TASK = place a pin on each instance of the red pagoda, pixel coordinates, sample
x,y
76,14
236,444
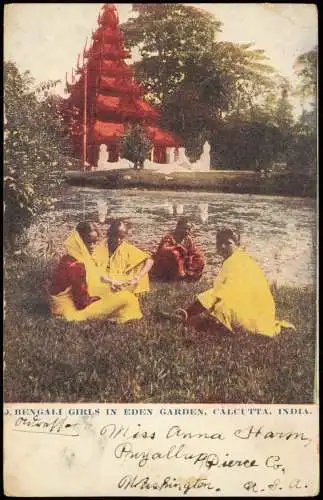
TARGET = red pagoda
x,y
105,99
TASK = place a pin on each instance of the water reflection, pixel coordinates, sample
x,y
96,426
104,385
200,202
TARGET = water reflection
x,y
102,207
280,232
169,208
179,209
204,212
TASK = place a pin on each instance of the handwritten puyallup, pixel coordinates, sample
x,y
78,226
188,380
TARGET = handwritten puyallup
x,y
60,426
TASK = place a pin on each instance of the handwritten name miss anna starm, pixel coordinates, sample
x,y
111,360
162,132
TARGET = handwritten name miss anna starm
x,y
113,431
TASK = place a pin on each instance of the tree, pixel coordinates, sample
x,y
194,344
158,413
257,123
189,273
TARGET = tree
x,y
303,153
284,109
198,81
177,44
34,149
246,77
228,84
306,69
246,145
169,37
191,118
136,146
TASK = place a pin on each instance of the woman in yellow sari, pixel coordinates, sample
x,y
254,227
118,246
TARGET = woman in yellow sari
x,y
124,265
77,292
240,299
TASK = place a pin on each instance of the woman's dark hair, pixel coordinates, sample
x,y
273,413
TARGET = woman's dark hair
x,y
86,227
182,222
226,233
114,226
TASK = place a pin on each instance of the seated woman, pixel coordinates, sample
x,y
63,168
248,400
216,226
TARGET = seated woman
x,y
177,256
240,300
76,280
125,266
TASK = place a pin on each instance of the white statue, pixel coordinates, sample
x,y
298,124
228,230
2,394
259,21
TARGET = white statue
x,y
103,156
170,155
205,160
182,158
206,148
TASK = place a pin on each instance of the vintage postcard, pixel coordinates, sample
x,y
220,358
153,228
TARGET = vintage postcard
x,y
160,250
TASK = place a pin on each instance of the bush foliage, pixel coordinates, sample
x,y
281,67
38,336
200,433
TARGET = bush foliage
x,y
136,146
35,149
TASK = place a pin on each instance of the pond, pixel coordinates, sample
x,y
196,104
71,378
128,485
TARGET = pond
x,y
280,232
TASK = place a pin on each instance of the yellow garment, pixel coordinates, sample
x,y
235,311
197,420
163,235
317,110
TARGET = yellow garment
x,y
75,247
246,303
121,306
124,264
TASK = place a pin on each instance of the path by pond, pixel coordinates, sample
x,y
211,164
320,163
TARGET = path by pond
x,y
280,232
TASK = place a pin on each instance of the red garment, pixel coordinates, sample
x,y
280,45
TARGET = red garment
x,y
70,272
177,260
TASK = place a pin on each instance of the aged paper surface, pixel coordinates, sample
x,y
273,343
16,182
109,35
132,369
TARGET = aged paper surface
x,y
149,449
171,450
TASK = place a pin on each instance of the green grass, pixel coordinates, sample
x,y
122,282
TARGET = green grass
x,y
151,361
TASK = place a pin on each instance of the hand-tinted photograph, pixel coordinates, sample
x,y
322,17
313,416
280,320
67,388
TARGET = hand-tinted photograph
x,y
160,207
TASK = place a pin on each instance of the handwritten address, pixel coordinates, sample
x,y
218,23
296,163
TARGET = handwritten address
x,y
259,455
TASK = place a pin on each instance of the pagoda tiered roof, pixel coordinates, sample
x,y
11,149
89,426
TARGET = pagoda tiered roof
x,y
105,132
108,50
114,99
126,107
120,85
162,137
115,68
107,34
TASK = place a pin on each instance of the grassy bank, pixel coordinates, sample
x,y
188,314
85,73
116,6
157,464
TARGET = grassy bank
x,y
247,182
154,360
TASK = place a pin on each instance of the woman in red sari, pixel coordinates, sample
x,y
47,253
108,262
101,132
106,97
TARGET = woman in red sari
x,y
177,256
77,292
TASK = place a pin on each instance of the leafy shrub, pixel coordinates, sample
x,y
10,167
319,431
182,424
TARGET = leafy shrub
x,y
136,146
35,149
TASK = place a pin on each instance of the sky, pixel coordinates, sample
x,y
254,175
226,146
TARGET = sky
x,y
46,38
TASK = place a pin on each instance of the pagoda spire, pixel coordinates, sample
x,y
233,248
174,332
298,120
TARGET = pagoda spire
x,y
78,67
85,50
109,15
66,90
